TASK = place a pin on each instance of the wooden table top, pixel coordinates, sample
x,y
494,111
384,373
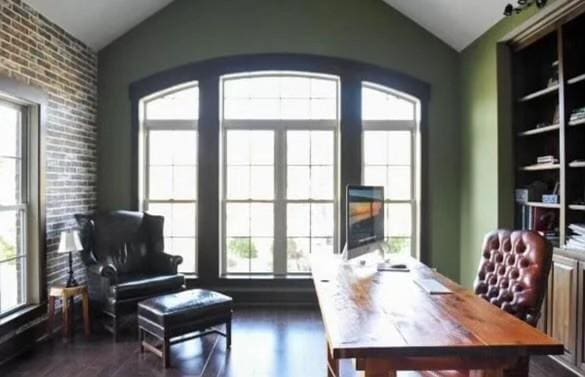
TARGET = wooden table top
x,y
386,314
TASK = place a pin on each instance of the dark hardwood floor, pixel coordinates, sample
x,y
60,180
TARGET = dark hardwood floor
x,y
267,342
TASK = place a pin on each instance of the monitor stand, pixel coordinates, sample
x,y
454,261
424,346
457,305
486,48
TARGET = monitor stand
x,y
364,255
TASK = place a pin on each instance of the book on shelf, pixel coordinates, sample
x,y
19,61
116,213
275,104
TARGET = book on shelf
x,y
578,229
542,220
577,239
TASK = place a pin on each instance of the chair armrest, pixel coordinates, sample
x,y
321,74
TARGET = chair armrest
x,y
166,263
107,271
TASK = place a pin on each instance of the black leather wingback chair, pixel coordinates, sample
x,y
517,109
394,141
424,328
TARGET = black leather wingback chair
x,y
123,253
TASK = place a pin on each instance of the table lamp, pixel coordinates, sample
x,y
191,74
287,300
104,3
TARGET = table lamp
x,y
68,243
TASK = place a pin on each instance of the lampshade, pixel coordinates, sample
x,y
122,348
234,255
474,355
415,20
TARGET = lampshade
x,y
69,241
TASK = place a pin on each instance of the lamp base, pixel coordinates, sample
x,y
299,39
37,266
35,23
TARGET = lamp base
x,y
71,282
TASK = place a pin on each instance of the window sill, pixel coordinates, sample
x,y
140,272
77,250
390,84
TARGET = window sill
x,y
20,317
265,277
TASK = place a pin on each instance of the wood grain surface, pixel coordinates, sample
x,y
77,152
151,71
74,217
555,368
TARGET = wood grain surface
x,y
371,314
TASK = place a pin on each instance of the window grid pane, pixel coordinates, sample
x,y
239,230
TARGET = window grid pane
x,y
387,162
171,172
250,165
302,163
280,97
12,275
13,258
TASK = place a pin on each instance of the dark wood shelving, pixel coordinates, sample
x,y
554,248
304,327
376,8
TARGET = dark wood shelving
x,y
578,164
575,123
576,79
539,167
540,130
528,65
540,93
542,205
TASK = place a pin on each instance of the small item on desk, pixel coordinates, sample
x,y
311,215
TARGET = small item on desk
x,y
398,267
433,287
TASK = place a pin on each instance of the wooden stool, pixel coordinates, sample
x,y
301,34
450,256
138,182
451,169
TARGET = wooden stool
x,y
67,295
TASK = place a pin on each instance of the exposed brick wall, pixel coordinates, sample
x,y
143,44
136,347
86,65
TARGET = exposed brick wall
x,y
37,52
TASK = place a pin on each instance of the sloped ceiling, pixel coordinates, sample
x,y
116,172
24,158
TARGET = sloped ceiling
x,y
99,22
456,22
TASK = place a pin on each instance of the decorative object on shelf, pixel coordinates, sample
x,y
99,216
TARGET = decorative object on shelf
x,y
554,197
533,192
522,4
554,77
69,243
556,117
550,199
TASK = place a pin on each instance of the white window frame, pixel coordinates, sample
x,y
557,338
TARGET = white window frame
x,y
412,126
280,200
23,205
144,153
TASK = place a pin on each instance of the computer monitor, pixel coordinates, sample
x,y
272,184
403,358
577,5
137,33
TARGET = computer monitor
x,y
365,220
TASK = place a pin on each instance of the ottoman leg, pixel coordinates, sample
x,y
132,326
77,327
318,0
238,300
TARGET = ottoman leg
x,y
141,339
166,354
228,333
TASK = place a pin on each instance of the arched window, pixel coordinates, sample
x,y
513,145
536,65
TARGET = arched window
x,y
169,121
279,195
278,137
391,159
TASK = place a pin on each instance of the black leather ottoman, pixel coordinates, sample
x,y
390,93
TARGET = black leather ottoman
x,y
178,317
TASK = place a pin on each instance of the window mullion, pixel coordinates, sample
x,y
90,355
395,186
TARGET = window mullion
x,y
280,173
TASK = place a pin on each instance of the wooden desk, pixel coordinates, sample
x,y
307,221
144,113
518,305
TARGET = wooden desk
x,y
387,323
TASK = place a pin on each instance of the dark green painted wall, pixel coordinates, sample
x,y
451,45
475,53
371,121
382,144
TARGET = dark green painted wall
x,y
364,30
486,160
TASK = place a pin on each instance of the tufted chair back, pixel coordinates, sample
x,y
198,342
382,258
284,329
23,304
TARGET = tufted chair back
x,y
513,272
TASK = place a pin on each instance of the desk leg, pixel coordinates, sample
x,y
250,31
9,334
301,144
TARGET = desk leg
x,y
86,313
332,364
377,368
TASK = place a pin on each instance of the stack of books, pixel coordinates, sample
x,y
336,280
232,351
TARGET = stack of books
x,y
577,115
576,240
547,160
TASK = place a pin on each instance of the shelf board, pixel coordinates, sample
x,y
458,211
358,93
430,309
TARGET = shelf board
x,y
542,205
577,207
541,130
537,167
576,79
540,93
577,122
579,164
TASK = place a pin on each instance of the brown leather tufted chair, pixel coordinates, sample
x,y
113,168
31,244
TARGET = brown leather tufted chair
x,y
513,275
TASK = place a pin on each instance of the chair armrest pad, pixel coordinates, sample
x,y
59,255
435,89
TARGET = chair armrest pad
x,y
166,263
105,270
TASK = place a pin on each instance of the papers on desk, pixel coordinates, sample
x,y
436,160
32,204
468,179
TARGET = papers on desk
x,y
432,286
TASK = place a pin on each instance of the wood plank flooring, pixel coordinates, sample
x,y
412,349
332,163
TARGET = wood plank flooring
x,y
267,342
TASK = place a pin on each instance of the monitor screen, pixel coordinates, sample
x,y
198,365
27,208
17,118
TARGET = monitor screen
x,y
365,214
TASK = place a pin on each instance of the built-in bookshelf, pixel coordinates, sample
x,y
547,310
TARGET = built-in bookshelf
x,y
549,121
542,88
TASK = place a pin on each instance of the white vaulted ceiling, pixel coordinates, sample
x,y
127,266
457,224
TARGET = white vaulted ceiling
x,y
99,22
456,22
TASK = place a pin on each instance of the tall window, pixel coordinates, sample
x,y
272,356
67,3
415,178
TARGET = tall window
x,y
13,207
390,159
169,184
279,171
